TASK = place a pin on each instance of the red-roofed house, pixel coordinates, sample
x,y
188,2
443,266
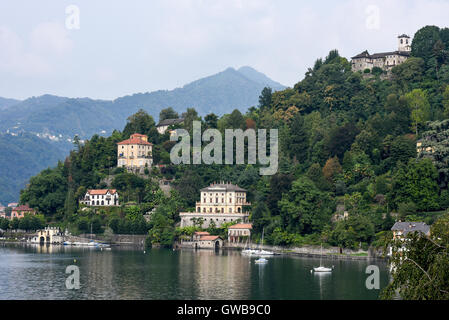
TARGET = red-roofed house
x,y
239,232
203,240
20,211
101,198
135,152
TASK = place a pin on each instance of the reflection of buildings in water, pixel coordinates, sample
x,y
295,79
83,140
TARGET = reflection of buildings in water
x,y
96,273
211,275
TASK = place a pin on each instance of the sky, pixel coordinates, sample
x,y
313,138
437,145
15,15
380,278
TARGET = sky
x,y
105,49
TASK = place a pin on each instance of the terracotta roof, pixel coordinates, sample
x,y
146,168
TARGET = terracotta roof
x,y
102,191
202,233
135,141
23,208
241,226
210,238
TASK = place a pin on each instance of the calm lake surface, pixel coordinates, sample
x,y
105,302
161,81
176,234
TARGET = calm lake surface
x,y
38,272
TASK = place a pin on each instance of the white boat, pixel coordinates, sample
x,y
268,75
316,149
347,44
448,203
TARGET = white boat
x,y
261,261
261,252
321,268
67,243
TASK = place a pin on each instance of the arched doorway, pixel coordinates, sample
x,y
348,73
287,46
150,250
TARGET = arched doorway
x,y
42,240
217,245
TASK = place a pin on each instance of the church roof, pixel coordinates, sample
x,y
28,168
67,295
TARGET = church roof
x,y
380,55
403,36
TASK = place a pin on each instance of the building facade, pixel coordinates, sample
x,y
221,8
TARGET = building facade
x,y
135,153
219,203
386,60
203,240
101,198
164,124
239,233
20,211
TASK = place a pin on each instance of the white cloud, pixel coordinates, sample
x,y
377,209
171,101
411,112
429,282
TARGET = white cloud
x,y
36,56
51,38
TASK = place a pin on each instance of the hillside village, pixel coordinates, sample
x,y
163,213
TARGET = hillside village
x,y
361,160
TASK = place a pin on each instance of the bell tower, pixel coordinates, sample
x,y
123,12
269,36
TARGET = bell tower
x,y
404,43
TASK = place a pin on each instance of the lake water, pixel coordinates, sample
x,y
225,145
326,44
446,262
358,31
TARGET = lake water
x,y
38,272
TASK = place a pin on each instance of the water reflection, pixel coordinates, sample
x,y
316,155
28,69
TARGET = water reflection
x,y
38,272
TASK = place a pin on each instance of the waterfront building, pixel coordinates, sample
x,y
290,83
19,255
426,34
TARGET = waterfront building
x,y
239,233
219,203
101,198
20,211
48,235
135,153
203,240
386,60
163,125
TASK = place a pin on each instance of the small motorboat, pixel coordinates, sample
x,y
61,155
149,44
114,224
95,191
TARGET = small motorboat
x,y
323,269
261,261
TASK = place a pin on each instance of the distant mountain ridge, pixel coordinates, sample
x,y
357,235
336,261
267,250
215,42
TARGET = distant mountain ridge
x,y
59,119
6,103
53,115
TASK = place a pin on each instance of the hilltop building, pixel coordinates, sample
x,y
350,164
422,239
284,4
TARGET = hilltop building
x,y
163,125
386,60
101,198
219,203
135,153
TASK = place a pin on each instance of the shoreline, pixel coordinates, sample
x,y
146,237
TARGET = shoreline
x,y
305,251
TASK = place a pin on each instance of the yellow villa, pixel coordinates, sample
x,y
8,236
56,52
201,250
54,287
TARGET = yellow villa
x,y
135,153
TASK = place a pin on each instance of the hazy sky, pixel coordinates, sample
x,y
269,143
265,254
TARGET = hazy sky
x,y
125,47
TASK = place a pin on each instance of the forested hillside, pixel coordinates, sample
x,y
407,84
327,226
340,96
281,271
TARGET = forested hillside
x,y
348,142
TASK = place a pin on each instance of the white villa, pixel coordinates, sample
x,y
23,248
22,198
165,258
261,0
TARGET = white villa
x,y
101,198
219,203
